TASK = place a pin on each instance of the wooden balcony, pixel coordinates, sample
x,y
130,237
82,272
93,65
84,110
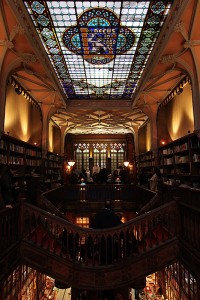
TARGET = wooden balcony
x,y
100,259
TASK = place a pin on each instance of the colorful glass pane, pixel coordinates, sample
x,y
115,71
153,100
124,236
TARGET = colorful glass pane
x,y
98,49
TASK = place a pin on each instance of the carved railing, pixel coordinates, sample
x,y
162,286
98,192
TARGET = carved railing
x,y
54,246
91,193
85,246
100,259
9,227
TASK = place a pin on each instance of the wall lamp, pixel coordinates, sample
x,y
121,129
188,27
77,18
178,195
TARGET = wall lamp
x,y
18,91
126,164
180,90
71,163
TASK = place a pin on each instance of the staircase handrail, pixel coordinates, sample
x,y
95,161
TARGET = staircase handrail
x,y
86,245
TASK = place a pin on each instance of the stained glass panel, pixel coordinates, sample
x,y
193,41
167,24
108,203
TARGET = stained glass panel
x,y
98,49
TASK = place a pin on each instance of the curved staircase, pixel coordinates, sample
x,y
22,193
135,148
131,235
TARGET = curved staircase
x,y
99,259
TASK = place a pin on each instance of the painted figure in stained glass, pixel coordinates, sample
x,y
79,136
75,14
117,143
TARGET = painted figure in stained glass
x,y
99,49
100,37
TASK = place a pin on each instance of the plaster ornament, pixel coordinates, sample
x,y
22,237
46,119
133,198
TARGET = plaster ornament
x,y
6,43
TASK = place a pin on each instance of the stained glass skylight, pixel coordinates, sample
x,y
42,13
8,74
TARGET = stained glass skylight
x,y
98,49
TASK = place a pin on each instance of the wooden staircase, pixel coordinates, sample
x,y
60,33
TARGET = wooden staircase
x,y
72,255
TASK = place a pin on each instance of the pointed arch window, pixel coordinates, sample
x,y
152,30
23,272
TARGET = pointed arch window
x,y
100,155
82,156
117,155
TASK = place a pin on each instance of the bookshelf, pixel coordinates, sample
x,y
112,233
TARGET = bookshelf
x,y
52,169
19,155
24,158
146,162
179,161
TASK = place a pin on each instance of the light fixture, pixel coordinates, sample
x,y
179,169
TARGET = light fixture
x,y
162,142
18,91
180,90
71,163
126,163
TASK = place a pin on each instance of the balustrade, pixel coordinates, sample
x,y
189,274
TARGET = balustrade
x,y
99,247
9,226
98,193
45,234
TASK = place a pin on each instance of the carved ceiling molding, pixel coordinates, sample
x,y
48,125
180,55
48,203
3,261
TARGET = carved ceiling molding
x,y
180,27
161,43
27,27
7,44
191,43
28,57
99,104
17,29
170,58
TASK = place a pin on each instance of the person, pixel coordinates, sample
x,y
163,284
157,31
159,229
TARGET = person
x,y
122,174
8,186
33,187
143,179
95,177
114,176
155,178
82,177
73,178
103,175
106,218
2,203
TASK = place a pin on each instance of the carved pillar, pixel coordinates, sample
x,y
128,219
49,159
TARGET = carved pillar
x,y
45,128
63,130
197,132
130,151
151,112
136,130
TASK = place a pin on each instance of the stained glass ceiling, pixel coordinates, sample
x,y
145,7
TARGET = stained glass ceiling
x,y
98,49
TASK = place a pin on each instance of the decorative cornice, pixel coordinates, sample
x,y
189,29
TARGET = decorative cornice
x,y
99,103
174,92
28,57
179,27
17,29
171,58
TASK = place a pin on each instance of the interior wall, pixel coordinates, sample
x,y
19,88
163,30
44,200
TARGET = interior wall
x,y
176,118
144,138
50,148
54,138
22,118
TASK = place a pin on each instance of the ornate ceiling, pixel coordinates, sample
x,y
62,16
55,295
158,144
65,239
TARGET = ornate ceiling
x,y
98,66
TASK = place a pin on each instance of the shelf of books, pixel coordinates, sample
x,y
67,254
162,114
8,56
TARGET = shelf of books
x,y
179,161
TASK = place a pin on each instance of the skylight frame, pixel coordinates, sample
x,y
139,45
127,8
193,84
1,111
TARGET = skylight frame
x,y
79,78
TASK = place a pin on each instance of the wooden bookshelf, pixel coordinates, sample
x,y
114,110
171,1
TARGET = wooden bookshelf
x,y
179,161
52,169
19,155
146,162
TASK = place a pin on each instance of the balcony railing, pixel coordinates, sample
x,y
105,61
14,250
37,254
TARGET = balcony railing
x,y
91,193
91,247
145,243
